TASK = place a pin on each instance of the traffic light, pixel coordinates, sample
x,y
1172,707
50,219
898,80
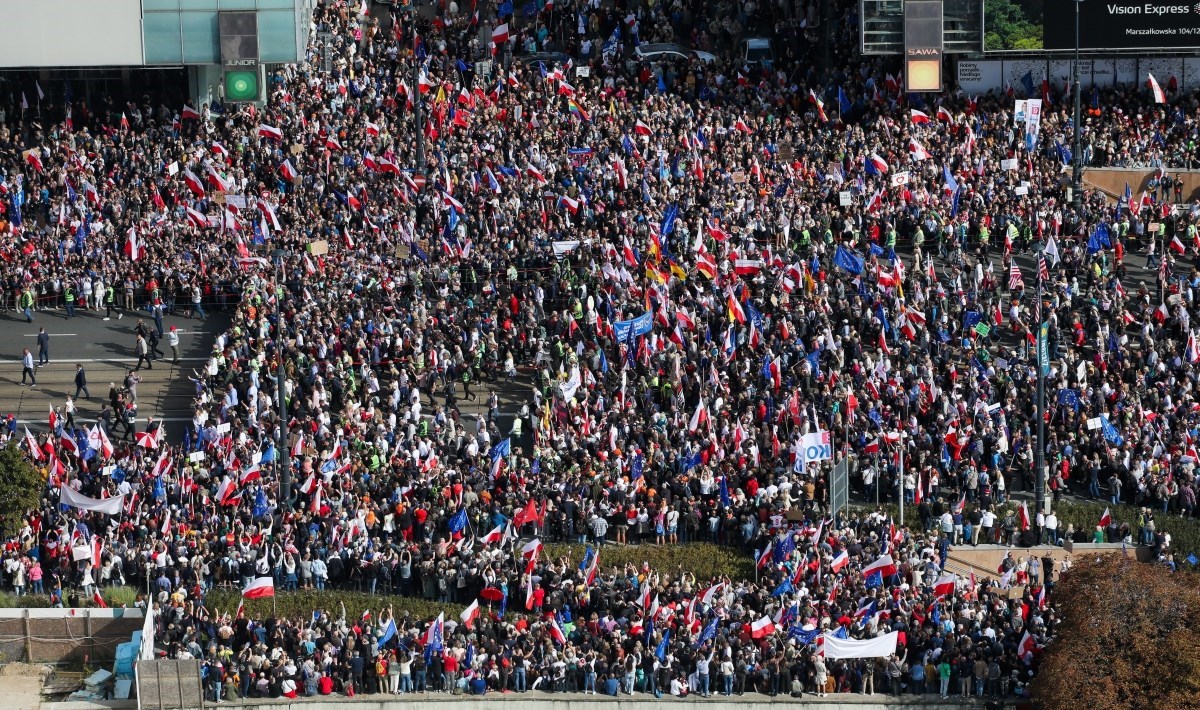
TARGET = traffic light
x,y
242,85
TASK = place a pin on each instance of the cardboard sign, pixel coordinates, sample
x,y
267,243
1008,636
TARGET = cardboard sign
x,y
1009,164
196,456
739,177
1154,228
219,198
844,198
297,149
786,152
318,248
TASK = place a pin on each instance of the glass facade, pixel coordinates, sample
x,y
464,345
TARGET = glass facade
x,y
185,31
883,26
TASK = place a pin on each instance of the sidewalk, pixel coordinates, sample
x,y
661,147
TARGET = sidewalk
x,y
568,701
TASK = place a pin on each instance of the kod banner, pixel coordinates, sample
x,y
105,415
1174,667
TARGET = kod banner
x,y
816,446
640,326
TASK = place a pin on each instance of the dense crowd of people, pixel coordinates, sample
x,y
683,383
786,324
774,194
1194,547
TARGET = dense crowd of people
x,y
689,269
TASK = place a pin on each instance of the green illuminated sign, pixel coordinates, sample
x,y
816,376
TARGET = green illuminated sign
x,y
241,85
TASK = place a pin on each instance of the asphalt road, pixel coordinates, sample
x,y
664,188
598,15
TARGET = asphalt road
x,y
106,351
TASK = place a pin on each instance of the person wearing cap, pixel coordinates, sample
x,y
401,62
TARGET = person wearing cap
x,y
173,341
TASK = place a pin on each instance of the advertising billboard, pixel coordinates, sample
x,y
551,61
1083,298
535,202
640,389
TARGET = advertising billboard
x,y
1105,25
1122,24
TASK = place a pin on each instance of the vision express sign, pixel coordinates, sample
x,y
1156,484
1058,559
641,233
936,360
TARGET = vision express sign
x,y
1123,24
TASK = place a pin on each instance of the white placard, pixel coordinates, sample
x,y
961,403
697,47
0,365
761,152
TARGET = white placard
x,y
173,168
222,427
238,201
583,71
976,78
256,458
1093,423
196,456
81,552
1008,164
844,198
1021,190
900,178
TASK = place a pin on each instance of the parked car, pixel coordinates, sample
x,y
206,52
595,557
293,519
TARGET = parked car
x,y
757,51
665,50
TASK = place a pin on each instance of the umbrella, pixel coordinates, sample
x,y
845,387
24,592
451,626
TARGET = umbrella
x,y
492,594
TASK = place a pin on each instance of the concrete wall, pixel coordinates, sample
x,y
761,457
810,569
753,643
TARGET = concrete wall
x,y
575,702
1112,181
60,636
989,557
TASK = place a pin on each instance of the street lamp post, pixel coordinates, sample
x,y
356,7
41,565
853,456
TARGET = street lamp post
x,y
1041,350
1077,161
418,127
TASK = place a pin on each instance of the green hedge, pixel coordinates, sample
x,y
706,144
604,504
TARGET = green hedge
x,y
302,603
1185,533
701,559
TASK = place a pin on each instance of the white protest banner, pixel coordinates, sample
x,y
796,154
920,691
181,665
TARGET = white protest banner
x,y
108,506
879,647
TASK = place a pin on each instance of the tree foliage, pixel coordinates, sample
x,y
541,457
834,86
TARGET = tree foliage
x,y
1010,24
20,489
1128,638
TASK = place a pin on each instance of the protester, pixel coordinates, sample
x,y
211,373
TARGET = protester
x,y
689,269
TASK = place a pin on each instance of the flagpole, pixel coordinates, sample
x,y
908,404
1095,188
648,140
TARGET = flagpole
x,y
900,474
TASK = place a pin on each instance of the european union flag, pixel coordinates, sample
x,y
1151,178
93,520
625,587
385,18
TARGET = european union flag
x,y
504,448
1070,398
661,651
844,104
639,463
877,250
708,633
804,637
725,500
1110,431
841,633
505,9
785,548
461,65
649,633
970,319
785,587
668,220
848,260
692,461
458,521
260,503
420,253
873,580
814,360
603,363
1100,238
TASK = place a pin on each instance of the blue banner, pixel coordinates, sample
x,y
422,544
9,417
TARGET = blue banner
x,y
625,329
